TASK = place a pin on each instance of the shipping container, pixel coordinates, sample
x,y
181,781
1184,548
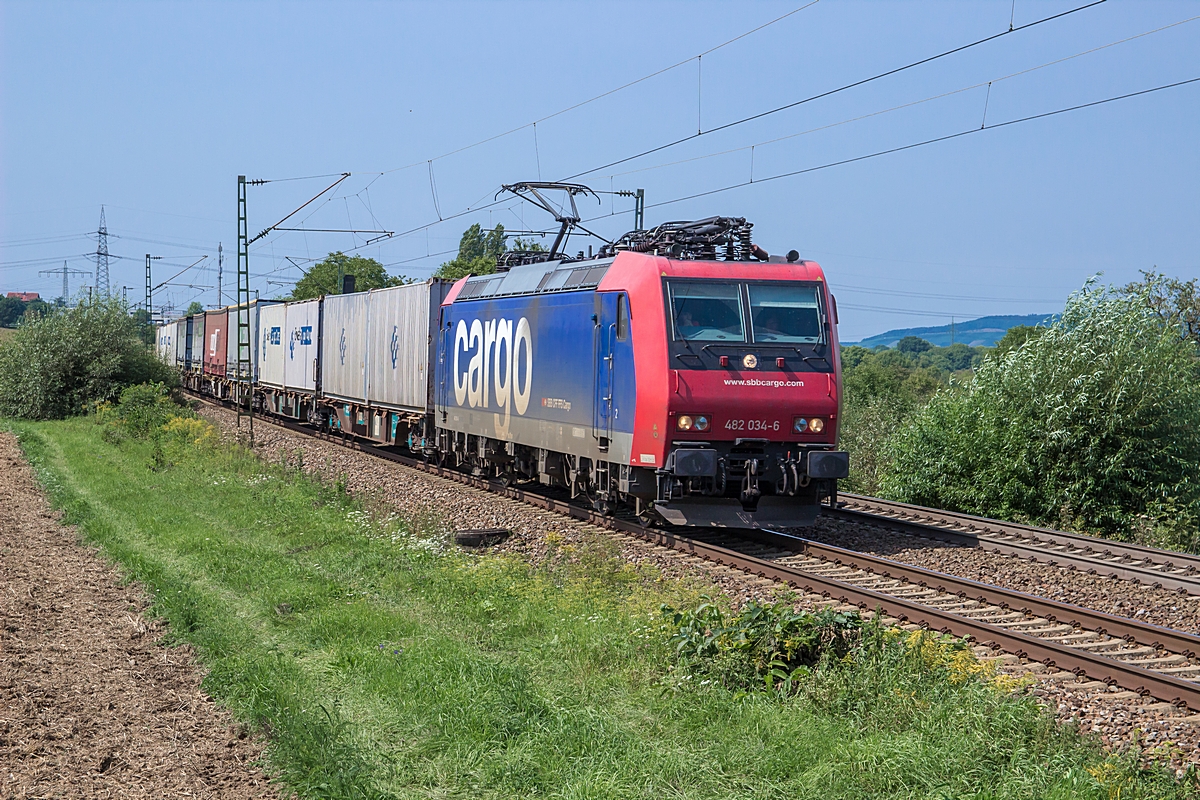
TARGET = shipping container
x,y
181,334
216,332
272,354
302,342
196,346
166,341
344,325
231,348
402,326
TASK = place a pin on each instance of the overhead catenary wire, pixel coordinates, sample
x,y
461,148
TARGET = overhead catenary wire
x,y
910,104
943,54
934,140
839,89
607,93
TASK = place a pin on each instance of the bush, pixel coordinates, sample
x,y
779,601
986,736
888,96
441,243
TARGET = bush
x,y
1088,424
60,363
760,647
882,392
145,409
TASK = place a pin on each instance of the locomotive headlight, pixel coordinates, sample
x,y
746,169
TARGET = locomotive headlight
x,y
816,425
684,423
799,425
700,423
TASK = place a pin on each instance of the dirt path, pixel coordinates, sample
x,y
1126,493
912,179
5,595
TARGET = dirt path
x,y
90,705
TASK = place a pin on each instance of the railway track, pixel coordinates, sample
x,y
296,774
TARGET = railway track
x,y
1139,657
1158,568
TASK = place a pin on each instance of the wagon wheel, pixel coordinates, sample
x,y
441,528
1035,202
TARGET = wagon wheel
x,y
505,476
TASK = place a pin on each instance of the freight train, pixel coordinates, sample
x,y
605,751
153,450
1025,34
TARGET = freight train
x,y
682,373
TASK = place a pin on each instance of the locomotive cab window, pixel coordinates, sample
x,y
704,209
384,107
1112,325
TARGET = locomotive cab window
x,y
707,312
782,312
622,318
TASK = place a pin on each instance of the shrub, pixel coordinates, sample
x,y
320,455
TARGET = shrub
x,y
761,646
1090,423
60,363
145,409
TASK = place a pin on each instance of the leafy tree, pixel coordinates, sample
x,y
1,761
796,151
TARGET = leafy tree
x,y
1091,423
194,308
955,358
913,345
322,277
478,252
60,362
1016,336
14,309
11,309
1176,302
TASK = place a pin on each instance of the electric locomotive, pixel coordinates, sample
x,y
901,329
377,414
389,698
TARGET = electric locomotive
x,y
683,371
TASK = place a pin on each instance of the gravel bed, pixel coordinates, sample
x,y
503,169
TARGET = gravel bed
x,y
1119,718
1164,607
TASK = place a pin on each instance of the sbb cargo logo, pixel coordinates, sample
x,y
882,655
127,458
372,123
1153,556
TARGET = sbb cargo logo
x,y
494,359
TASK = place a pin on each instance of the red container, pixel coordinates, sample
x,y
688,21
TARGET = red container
x,y
216,335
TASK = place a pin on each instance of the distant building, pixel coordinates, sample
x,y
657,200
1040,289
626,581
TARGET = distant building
x,y
25,297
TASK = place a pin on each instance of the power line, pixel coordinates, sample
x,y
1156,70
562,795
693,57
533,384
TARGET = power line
x,y
602,95
904,105
839,89
845,87
934,140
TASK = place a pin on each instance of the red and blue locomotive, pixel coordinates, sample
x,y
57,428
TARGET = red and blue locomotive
x,y
684,372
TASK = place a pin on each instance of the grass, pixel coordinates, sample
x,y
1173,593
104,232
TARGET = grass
x,y
380,662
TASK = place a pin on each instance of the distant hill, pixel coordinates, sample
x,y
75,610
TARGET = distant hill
x,y
982,332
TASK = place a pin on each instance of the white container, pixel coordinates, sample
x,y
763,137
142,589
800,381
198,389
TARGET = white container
x,y
344,347
301,343
399,341
272,341
231,356
166,341
181,327
198,345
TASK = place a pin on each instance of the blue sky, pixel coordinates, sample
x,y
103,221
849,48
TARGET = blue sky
x,y
153,109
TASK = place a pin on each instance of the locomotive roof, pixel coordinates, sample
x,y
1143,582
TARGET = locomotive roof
x,y
540,278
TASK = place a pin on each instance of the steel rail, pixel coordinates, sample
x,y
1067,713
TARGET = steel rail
x,y
1159,685
1158,568
1181,642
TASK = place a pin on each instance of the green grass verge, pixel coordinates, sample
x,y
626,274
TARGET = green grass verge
x,y
380,662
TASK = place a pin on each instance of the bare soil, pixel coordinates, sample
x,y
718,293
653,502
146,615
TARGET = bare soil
x,y
91,703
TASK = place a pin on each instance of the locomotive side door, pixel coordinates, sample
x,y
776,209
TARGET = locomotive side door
x,y
605,367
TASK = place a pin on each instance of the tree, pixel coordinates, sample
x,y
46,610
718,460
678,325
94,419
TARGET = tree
x,y
477,253
913,345
322,277
1177,303
59,362
1014,337
11,309
194,308
1092,423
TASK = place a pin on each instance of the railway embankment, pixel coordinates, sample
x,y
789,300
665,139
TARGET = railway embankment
x,y
335,618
